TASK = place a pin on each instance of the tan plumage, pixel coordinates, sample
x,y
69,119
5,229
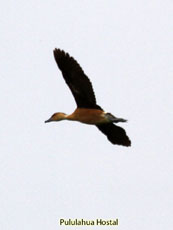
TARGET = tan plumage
x,y
87,111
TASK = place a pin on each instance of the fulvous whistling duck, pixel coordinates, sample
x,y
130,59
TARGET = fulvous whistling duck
x,y
87,111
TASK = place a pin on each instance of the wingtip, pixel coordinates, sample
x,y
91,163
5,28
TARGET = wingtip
x,y
59,53
56,50
126,142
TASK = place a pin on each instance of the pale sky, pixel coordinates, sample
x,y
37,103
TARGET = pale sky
x,y
67,169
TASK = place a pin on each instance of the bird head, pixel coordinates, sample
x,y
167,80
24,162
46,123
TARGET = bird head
x,y
57,117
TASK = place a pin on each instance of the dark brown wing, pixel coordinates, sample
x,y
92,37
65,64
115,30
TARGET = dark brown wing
x,y
76,79
115,134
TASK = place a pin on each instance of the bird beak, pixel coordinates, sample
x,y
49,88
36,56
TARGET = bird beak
x,y
48,120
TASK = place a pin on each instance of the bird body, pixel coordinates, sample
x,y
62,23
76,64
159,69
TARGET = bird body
x,y
87,111
88,116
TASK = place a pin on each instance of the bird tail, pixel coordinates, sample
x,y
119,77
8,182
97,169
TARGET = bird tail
x,y
114,119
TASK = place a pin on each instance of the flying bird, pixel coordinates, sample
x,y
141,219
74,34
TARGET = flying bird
x,y
87,110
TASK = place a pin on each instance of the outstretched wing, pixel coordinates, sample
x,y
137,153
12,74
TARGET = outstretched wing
x,y
115,134
76,79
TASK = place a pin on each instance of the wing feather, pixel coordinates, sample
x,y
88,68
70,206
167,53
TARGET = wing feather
x,y
76,79
115,134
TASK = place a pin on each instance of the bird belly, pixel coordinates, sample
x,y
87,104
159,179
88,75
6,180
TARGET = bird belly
x,y
88,116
